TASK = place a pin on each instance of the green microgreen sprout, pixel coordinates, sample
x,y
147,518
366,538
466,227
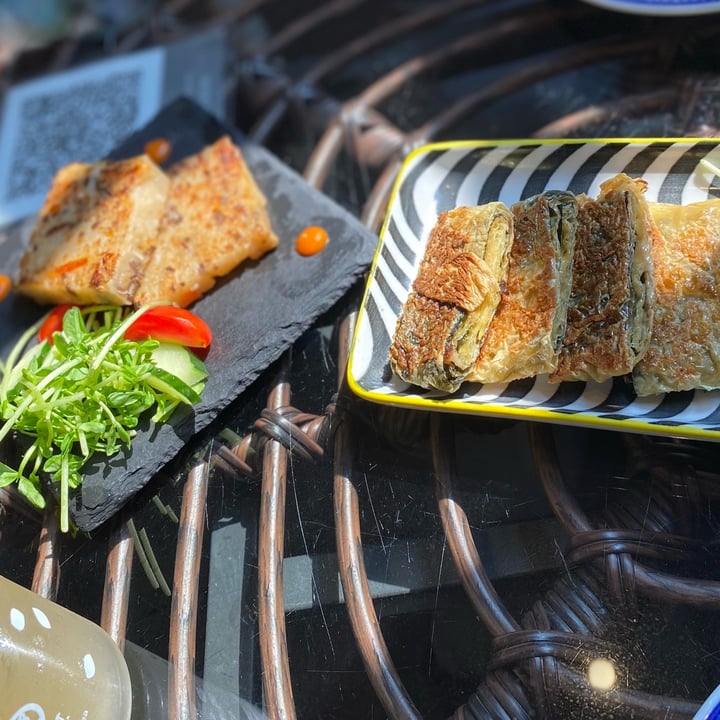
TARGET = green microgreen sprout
x,y
80,396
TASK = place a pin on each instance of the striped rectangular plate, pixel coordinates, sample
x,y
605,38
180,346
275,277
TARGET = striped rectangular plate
x,y
439,177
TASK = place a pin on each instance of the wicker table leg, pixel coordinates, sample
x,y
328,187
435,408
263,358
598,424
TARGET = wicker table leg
x,y
540,662
277,686
358,599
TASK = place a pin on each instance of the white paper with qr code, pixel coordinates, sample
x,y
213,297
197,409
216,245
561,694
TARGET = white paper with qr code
x,y
81,114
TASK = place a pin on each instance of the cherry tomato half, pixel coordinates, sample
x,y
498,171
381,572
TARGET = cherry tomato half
x,y
53,323
167,323
311,240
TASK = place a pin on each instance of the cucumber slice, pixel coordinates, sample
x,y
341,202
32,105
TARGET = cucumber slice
x,y
178,372
172,386
180,362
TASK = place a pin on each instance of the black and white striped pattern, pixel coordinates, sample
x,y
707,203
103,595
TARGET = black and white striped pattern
x,y
439,177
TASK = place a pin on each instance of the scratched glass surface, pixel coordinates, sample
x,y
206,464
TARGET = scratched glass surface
x,y
438,644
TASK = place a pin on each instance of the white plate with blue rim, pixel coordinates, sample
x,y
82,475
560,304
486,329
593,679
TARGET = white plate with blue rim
x,y
659,7
710,709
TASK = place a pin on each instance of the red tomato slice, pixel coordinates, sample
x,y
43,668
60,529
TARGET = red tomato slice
x,y
167,323
53,323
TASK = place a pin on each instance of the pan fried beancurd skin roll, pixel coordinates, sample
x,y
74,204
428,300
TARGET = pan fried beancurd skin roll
x,y
426,349
684,351
454,297
526,333
610,308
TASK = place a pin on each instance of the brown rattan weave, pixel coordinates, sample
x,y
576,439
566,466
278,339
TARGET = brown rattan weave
x,y
293,92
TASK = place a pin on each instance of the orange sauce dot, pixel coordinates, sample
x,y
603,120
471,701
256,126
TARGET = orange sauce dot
x,y
5,286
158,150
311,240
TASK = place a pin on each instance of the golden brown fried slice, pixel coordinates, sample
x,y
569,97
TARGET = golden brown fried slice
x,y
525,335
454,298
420,348
684,350
95,233
216,218
610,307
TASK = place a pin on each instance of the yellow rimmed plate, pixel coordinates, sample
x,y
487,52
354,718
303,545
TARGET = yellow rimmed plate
x,y
438,177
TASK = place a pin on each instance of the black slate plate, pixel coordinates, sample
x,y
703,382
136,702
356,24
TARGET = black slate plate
x,y
256,313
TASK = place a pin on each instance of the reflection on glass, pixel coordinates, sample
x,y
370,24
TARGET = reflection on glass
x,y
601,674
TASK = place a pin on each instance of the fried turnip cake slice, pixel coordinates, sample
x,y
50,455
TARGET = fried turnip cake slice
x,y
216,217
95,233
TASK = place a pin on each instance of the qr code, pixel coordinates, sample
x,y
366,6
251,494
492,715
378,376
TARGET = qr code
x,y
75,116
70,126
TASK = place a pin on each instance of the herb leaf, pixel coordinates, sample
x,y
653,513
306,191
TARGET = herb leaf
x,y
81,395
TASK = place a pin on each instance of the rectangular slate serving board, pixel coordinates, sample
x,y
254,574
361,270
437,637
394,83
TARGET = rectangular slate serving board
x,y
256,313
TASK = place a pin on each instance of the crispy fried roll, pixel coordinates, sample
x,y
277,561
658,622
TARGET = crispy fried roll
x,y
454,297
526,333
684,350
610,307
